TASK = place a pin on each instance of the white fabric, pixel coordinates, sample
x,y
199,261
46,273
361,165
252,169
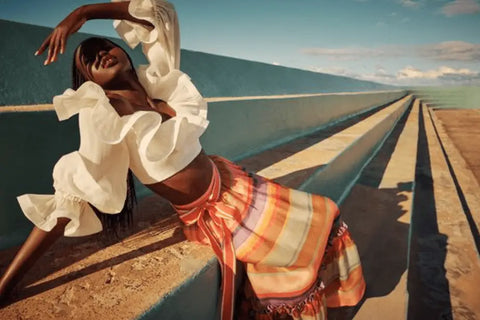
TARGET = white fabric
x,y
110,144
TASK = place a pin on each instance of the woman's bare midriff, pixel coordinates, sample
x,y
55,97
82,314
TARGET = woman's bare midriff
x,y
188,184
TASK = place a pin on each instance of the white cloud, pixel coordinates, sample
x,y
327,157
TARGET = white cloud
x,y
458,7
443,51
353,53
451,51
410,72
410,75
410,3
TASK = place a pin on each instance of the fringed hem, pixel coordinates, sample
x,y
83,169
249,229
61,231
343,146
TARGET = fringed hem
x,y
314,303
314,300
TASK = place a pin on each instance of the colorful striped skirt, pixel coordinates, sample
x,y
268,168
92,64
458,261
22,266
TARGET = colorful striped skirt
x,y
298,255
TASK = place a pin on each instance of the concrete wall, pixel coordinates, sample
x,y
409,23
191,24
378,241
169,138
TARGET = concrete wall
x,y
30,145
29,82
242,128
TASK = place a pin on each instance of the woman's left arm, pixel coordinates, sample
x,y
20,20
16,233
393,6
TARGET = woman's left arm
x,y
36,244
57,39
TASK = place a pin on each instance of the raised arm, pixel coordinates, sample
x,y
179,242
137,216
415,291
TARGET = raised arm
x,y
57,39
36,244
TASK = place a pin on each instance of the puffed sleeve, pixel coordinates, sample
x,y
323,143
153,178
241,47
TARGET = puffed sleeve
x,y
162,78
161,45
95,174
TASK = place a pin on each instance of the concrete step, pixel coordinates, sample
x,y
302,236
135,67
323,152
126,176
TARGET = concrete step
x,y
158,249
241,128
443,260
335,154
464,164
360,143
378,211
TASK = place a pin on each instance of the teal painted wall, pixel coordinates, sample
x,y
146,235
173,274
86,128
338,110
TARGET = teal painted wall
x,y
245,127
30,145
215,76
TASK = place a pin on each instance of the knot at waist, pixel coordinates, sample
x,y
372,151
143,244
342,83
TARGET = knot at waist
x,y
210,213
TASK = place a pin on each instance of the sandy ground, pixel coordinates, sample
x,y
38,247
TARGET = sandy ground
x,y
82,278
463,128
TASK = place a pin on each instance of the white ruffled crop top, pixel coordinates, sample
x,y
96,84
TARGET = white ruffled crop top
x,y
111,144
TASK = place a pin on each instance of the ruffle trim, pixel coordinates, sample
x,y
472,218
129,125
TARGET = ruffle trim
x,y
133,33
76,185
44,210
161,44
189,105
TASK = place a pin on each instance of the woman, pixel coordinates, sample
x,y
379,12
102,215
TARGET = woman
x,y
298,255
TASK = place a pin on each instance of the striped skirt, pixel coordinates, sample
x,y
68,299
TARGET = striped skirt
x,y
298,255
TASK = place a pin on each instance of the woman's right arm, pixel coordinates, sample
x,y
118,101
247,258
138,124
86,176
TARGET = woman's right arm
x,y
36,244
57,40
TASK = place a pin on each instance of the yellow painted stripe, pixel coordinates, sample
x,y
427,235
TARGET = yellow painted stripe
x,y
27,108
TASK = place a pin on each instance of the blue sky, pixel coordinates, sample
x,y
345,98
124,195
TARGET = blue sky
x,y
405,42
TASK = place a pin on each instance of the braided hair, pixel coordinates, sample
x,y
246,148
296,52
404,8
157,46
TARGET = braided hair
x,y
112,223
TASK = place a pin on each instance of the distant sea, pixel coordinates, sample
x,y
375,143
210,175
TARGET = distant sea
x,y
450,97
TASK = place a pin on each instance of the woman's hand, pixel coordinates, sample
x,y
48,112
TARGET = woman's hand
x,y
57,40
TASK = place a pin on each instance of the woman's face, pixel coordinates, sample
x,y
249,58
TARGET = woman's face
x,y
102,62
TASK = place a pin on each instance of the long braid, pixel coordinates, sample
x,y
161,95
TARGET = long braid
x,y
112,223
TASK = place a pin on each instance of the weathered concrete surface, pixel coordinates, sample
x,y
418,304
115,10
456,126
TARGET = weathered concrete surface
x,y
348,165
378,213
323,152
242,128
82,278
463,140
444,269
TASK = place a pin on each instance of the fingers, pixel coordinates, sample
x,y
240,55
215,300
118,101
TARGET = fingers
x,y
44,45
56,48
63,43
53,48
55,43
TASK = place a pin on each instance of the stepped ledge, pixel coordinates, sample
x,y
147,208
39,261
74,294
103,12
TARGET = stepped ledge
x,y
415,188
